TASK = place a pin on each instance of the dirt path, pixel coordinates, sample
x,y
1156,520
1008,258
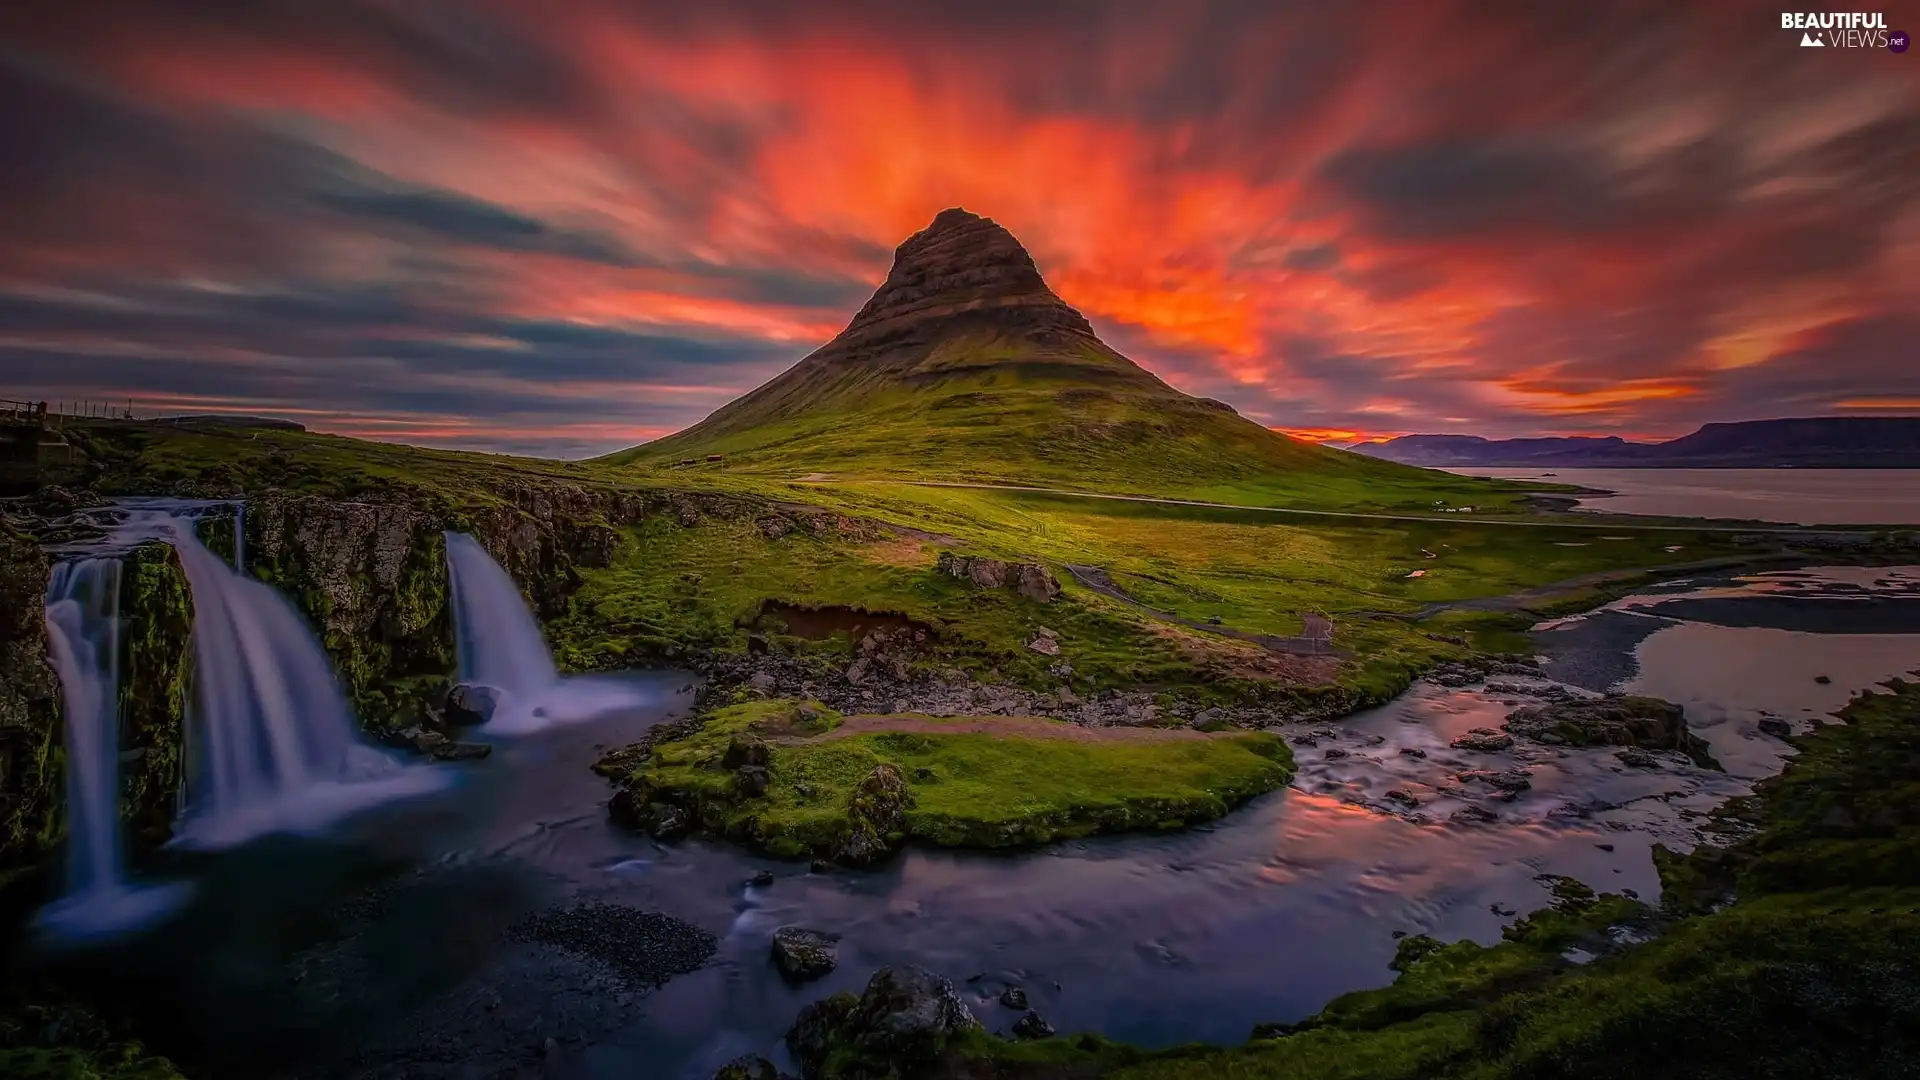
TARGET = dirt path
x,y
1316,641
1022,727
1618,521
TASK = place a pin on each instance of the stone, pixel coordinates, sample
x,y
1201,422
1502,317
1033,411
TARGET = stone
x,y
1823,680
762,879
803,954
745,750
1412,751
1036,583
1625,720
1483,740
1404,798
1775,726
773,528
1013,997
1635,758
468,704
876,817
1473,815
1045,645
1032,1026
1334,754
750,781
900,1022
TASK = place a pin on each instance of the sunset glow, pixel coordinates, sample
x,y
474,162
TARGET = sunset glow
x,y
568,228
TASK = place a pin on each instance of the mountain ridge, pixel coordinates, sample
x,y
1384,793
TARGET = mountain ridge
x,y
1849,442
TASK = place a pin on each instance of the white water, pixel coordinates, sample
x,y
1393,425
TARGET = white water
x,y
272,745
83,637
500,646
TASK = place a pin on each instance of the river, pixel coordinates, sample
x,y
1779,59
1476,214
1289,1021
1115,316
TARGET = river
x,y
290,966
1785,496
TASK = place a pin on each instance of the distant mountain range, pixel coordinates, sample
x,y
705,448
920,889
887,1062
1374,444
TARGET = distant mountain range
x,y
1889,442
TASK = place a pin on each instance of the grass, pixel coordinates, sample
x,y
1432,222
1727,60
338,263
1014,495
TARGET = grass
x,y
966,790
670,589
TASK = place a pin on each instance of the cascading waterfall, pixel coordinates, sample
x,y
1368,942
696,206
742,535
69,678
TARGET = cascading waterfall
x,y
272,744
500,646
83,638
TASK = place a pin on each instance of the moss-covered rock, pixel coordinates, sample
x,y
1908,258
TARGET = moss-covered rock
x,y
1629,720
30,757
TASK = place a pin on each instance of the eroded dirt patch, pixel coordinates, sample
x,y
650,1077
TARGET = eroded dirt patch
x,y
824,622
1239,659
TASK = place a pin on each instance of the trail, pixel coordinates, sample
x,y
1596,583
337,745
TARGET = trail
x,y
1619,521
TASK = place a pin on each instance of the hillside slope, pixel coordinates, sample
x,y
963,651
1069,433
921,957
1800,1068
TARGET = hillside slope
x,y
965,366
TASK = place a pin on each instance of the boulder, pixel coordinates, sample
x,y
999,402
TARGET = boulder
x,y
1046,643
803,954
1013,997
1627,720
897,1026
750,781
745,750
1035,582
876,817
1031,580
1775,726
469,704
1032,1026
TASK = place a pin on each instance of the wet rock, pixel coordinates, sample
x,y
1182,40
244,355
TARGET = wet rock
x,y
897,1026
1483,740
1403,797
819,866
1413,752
803,954
1473,815
1823,680
762,879
1334,754
1628,720
750,1067
438,746
1304,740
1775,726
1032,1026
662,821
468,704
1502,910
1635,758
1013,997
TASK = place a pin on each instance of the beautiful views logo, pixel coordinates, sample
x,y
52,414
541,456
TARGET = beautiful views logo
x,y
1844,30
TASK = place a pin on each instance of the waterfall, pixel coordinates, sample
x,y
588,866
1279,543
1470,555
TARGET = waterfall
x,y
500,646
272,744
83,640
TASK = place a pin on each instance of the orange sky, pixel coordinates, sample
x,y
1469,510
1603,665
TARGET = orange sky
x,y
567,228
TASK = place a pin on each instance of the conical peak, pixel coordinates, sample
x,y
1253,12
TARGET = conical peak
x,y
961,264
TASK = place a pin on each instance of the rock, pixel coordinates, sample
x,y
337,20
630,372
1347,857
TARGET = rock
x,y
1013,997
1775,726
750,781
1627,720
1404,798
877,816
897,1026
1413,751
1334,754
762,879
1032,1026
468,704
1045,645
1035,582
1473,815
1635,758
1484,740
762,681
745,750
803,954
438,746
662,821
819,866
1823,680
750,1067
773,528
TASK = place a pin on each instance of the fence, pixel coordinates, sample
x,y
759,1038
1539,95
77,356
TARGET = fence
x,y
56,414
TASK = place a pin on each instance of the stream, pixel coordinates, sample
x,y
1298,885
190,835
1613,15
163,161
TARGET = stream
x,y
388,947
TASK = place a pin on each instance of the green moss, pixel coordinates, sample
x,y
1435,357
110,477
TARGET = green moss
x,y
155,677
967,790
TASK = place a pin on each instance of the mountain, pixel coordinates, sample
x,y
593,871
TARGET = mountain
x,y
1845,442
965,366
